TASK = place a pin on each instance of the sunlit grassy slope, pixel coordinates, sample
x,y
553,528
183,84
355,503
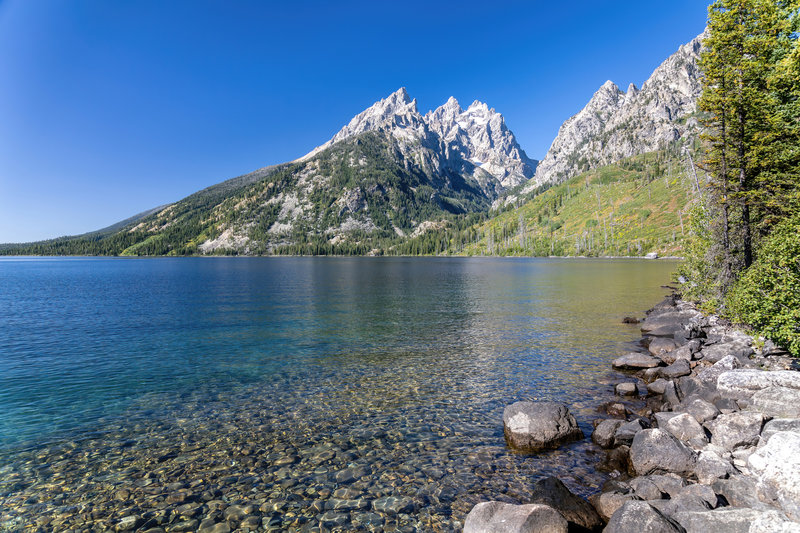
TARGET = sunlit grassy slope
x,y
636,206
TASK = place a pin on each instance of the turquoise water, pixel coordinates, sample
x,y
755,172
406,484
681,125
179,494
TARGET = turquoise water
x,y
97,355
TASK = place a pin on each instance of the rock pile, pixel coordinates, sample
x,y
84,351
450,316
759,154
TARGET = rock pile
x,y
716,446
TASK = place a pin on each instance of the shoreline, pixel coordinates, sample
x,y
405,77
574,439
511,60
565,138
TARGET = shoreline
x,y
703,436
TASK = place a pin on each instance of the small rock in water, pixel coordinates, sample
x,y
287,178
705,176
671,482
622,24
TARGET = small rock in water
x,y
626,389
635,361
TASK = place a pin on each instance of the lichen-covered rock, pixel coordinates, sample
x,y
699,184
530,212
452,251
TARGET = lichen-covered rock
x,y
532,426
552,492
777,465
735,430
640,517
499,517
655,451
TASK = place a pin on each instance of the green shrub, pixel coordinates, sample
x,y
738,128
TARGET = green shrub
x,y
767,296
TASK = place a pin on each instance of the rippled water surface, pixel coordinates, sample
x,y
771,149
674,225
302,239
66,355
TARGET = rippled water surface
x,y
299,394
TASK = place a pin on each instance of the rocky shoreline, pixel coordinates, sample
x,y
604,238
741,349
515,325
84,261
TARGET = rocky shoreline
x,y
705,437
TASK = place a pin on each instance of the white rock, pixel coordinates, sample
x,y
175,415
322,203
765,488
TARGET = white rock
x,y
777,465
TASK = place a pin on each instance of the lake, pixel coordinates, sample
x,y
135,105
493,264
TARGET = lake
x,y
358,394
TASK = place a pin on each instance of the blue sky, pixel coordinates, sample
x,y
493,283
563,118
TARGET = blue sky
x,y
109,108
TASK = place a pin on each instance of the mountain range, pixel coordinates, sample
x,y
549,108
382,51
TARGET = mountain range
x,y
392,174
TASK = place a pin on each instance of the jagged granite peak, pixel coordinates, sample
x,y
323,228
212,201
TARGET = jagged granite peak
x,y
474,142
479,135
615,124
397,110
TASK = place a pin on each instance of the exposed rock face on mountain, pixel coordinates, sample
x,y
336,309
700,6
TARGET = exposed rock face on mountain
x,y
474,142
479,135
616,124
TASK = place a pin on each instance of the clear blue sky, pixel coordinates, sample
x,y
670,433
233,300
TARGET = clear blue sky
x,y
109,108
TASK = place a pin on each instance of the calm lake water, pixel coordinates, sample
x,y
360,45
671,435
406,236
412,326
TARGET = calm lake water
x,y
341,393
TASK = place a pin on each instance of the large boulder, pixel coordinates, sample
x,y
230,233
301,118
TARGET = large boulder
x,y
745,382
635,361
532,426
777,402
640,517
737,429
683,427
552,492
777,465
725,520
499,517
654,451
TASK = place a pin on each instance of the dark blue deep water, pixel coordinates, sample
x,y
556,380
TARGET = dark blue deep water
x,y
413,356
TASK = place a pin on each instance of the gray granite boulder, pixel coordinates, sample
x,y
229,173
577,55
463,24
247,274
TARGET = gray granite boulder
x,y
635,361
655,451
712,373
532,426
607,503
552,492
657,387
721,520
679,368
715,352
777,465
776,425
683,427
703,411
627,431
743,383
640,517
499,517
777,402
603,434
710,467
737,429
738,491
660,345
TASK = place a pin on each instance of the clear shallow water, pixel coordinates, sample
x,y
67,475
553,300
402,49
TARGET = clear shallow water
x,y
113,371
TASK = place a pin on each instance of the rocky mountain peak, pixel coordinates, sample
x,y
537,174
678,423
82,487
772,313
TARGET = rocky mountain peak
x,y
614,125
473,141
